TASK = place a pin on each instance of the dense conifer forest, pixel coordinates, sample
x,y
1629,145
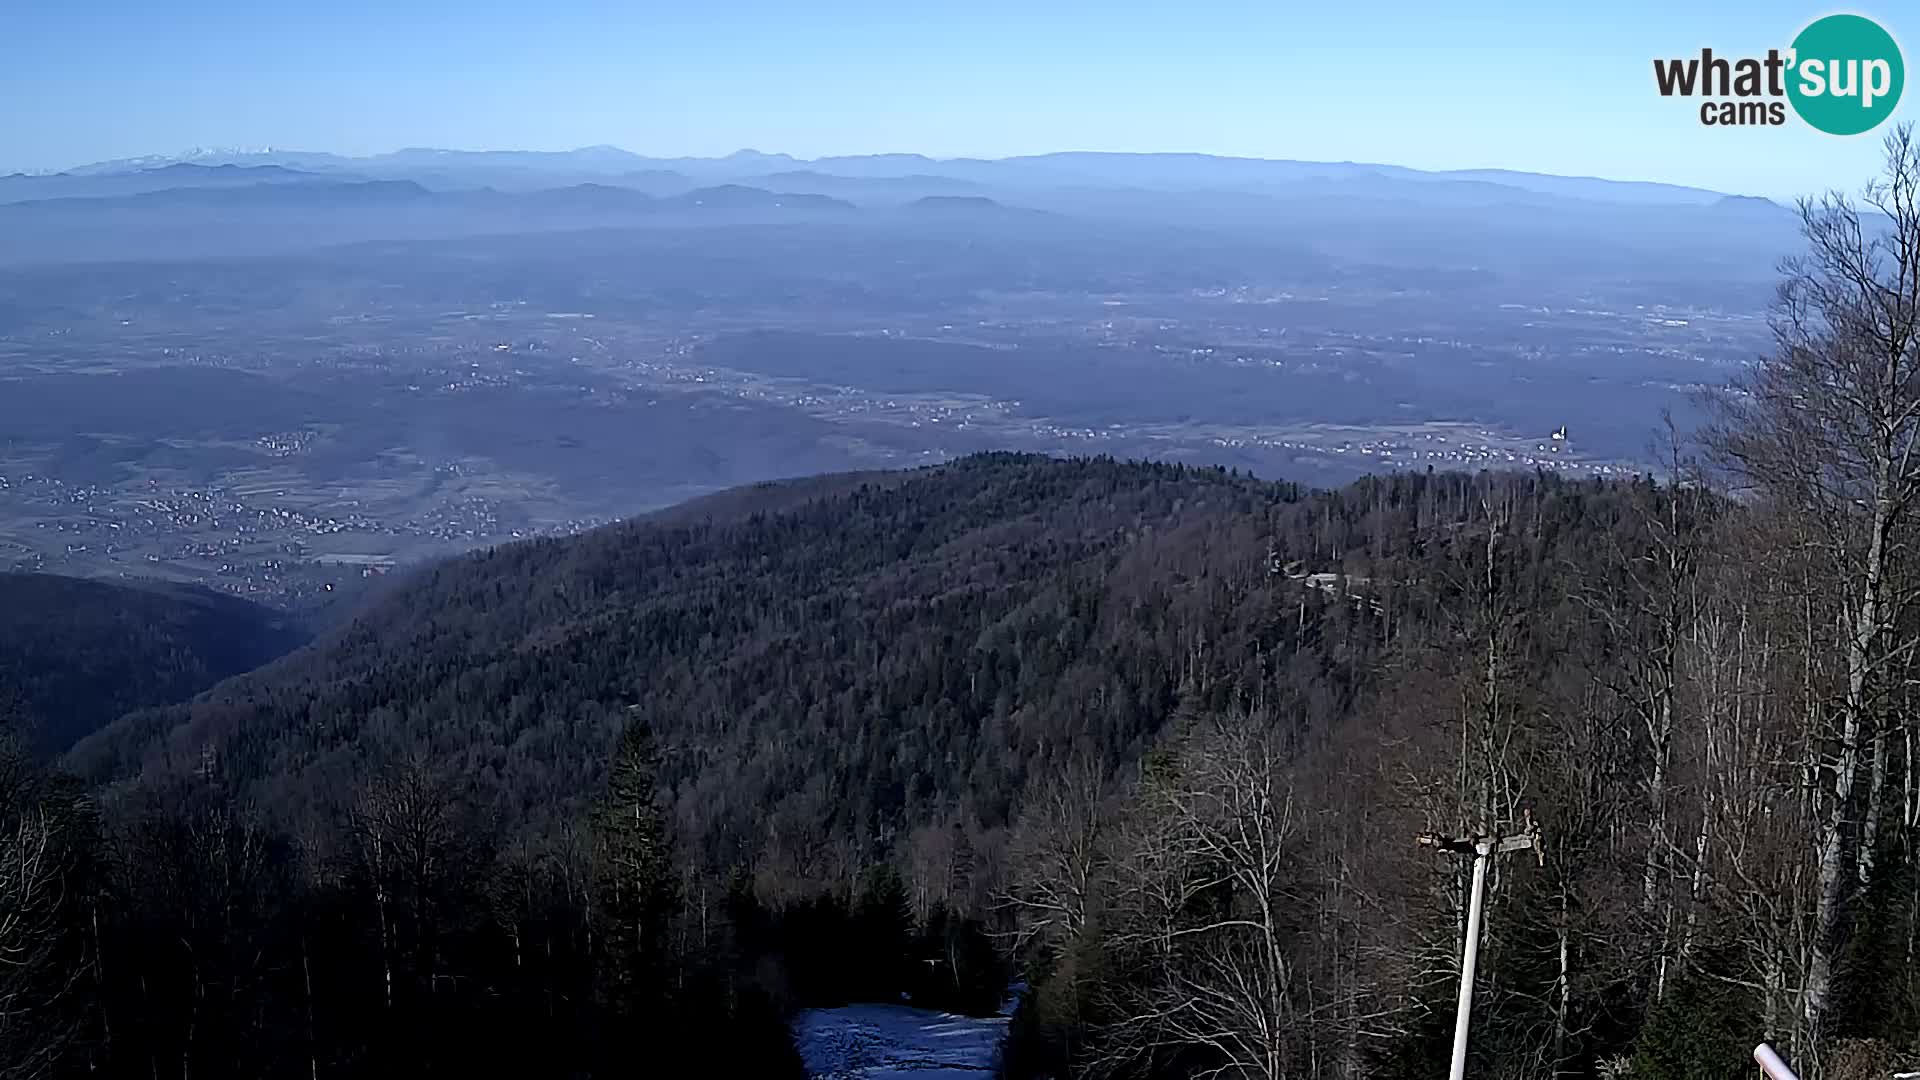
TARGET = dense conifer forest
x,y
75,654
1151,743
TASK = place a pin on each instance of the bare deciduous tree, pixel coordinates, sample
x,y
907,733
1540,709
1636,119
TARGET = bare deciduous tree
x,y
31,897
1058,856
1204,889
1827,429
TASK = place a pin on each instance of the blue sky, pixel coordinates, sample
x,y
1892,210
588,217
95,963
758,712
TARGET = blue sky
x,y
1538,86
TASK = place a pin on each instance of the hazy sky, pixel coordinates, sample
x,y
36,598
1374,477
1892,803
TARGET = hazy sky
x,y
1549,87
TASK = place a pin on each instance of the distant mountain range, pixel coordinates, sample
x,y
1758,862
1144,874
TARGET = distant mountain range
x,y
1388,218
912,174
317,192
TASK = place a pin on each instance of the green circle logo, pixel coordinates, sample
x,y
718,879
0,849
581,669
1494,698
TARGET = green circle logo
x,y
1847,74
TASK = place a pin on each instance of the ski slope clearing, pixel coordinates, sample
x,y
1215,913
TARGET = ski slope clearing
x,y
895,1042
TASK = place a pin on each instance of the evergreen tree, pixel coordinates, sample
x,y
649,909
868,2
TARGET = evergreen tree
x,y
635,894
883,935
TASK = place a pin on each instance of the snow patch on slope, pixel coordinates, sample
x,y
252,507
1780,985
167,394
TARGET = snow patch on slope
x,y
895,1042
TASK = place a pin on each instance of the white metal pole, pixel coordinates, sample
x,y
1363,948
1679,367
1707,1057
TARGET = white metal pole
x,y
1771,1064
1463,1013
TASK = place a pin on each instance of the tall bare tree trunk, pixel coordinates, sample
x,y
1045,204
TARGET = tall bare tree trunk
x,y
1830,435
1867,858
1864,636
1562,987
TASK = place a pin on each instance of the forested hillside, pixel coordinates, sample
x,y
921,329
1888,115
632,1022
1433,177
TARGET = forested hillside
x,y
1156,742
951,678
822,678
76,653
994,713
